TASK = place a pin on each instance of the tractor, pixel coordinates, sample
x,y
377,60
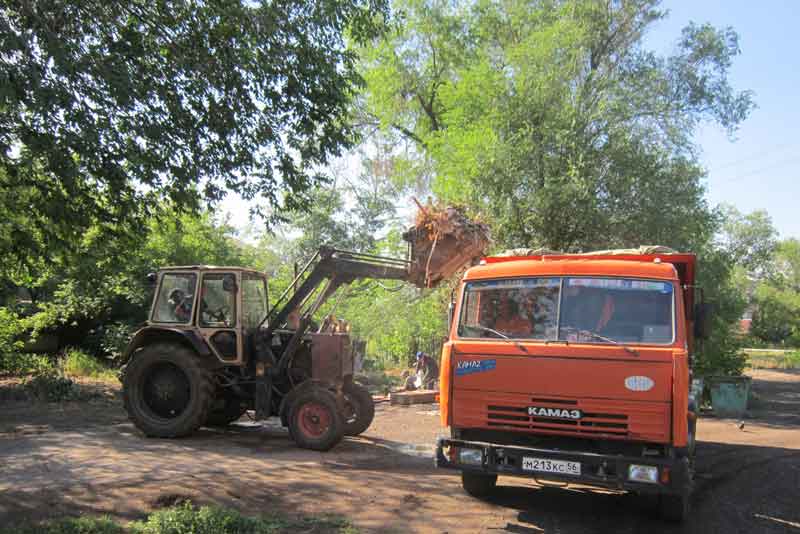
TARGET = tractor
x,y
214,348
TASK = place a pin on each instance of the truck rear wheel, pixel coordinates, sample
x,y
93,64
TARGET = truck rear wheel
x,y
478,484
674,507
360,409
314,420
167,391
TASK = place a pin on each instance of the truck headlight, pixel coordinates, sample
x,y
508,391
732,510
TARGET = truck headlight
x,y
470,456
643,473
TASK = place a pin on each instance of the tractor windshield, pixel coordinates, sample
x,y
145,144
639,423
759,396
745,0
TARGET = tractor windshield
x,y
175,298
593,310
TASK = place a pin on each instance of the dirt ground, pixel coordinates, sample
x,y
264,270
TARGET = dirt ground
x,y
86,458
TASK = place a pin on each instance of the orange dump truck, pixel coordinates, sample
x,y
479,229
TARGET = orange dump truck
x,y
574,368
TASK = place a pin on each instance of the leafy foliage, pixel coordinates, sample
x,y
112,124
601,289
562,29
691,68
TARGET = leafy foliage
x,y
750,239
553,120
109,108
776,317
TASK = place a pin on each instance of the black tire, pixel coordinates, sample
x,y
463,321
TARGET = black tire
x,y
691,445
360,409
674,508
314,420
226,409
167,391
478,484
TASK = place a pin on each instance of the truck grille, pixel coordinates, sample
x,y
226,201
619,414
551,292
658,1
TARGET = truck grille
x,y
590,423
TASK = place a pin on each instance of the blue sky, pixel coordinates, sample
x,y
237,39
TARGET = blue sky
x,y
760,169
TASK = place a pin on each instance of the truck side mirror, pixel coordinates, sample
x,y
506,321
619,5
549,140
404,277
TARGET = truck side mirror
x,y
152,278
451,308
703,313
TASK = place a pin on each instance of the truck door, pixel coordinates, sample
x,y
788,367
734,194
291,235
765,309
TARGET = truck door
x,y
218,317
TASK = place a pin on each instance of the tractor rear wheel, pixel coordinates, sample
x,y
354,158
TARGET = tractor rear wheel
x,y
167,391
226,409
359,408
314,420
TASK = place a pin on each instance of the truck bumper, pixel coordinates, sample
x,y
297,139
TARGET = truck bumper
x,y
607,471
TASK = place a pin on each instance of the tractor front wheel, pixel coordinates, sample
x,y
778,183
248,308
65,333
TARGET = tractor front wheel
x,y
314,420
359,408
167,391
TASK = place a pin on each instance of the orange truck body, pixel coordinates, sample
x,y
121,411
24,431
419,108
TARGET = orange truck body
x,y
518,404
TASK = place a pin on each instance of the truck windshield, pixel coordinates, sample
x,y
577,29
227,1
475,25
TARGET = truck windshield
x,y
594,310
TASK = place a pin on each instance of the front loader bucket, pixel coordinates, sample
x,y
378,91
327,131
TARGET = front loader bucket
x,y
443,241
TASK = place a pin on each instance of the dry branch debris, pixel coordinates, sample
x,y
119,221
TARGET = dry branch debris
x,y
443,241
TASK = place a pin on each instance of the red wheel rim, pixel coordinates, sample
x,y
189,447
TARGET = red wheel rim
x,y
314,419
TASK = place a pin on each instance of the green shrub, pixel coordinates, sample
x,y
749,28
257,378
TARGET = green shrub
x,y
78,363
52,386
11,358
115,338
186,519
793,360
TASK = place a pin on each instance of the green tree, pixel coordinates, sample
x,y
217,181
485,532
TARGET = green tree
x,y
554,120
750,239
776,317
109,108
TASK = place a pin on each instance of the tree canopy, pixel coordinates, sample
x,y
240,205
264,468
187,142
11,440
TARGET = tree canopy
x,y
108,108
553,119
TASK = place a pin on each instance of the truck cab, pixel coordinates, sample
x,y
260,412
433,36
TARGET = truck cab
x,y
574,368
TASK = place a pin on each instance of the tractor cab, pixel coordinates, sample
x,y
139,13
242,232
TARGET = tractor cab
x,y
219,305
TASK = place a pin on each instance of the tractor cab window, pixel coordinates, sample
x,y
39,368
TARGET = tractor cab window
x,y
175,298
218,301
254,300
518,308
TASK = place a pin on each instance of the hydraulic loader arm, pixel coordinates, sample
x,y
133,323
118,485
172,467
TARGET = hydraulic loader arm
x,y
334,268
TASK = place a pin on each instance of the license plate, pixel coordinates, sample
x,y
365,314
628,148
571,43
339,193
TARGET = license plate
x,y
543,465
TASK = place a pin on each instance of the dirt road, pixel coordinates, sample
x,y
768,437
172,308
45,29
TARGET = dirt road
x,y
87,458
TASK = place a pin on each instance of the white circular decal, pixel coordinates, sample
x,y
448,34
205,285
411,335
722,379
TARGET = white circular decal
x,y
639,383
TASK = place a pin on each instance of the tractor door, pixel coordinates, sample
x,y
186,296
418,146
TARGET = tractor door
x,y
218,314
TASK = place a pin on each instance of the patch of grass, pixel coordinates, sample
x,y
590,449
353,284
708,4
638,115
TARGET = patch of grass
x,y
78,363
188,519
22,363
70,525
773,360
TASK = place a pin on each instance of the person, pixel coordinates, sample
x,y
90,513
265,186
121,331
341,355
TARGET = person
x,y
426,370
181,305
509,321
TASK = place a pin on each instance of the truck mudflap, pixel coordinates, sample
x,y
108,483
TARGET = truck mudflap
x,y
655,474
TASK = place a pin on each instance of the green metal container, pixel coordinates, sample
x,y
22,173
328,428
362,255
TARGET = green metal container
x,y
729,394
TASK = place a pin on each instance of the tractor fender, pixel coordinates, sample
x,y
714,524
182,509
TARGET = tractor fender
x,y
287,400
165,333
